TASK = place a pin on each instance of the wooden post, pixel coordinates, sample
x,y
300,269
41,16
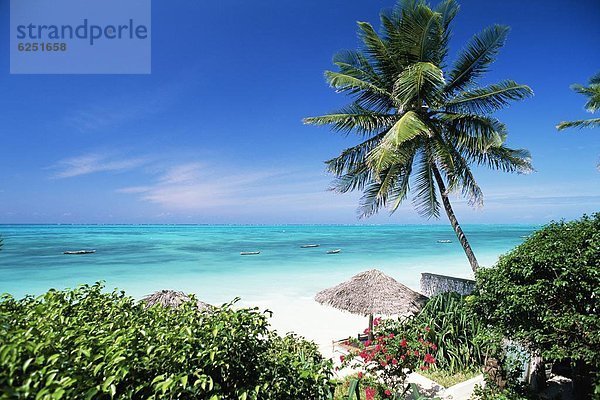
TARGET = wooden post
x,y
370,326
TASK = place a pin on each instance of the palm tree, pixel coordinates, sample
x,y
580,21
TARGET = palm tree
x,y
422,127
592,91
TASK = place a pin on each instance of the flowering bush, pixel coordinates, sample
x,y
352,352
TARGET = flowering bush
x,y
389,359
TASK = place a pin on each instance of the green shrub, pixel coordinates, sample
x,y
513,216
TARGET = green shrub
x,y
545,294
85,343
388,359
452,327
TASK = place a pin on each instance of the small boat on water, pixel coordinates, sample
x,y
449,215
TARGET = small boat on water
x,y
309,246
249,253
444,241
334,251
79,252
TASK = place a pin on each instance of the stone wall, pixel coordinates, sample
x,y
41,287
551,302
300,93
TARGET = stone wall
x,y
432,284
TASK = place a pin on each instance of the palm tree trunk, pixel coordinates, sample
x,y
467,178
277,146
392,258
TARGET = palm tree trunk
x,y
454,222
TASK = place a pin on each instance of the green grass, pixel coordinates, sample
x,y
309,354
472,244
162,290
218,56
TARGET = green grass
x,y
343,385
447,379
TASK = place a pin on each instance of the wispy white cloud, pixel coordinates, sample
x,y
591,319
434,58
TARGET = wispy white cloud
x,y
92,163
196,187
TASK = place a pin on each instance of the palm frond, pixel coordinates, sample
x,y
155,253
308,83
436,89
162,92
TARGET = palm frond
x,y
353,157
448,10
421,82
355,179
389,150
356,64
419,35
347,83
473,131
505,159
377,50
391,185
425,199
457,171
488,99
582,123
476,57
354,119
592,92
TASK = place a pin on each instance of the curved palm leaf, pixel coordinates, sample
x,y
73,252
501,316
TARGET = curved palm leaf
x,y
354,119
582,123
419,83
592,91
477,57
488,99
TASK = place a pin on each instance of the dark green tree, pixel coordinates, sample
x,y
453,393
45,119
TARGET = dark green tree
x,y
423,124
545,294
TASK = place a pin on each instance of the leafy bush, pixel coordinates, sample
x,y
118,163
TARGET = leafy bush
x,y
85,343
452,327
545,294
388,359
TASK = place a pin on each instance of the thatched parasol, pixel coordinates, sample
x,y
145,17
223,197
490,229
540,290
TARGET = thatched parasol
x,y
173,299
372,292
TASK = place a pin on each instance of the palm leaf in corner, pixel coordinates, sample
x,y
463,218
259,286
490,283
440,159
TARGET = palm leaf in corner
x,y
592,92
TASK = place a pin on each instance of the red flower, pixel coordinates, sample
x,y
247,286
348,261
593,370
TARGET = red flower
x,y
433,346
427,329
342,358
388,393
391,335
360,375
394,361
417,353
429,359
370,393
424,367
366,331
403,343
376,321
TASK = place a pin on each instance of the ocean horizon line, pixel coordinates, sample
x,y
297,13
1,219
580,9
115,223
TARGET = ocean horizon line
x,y
267,225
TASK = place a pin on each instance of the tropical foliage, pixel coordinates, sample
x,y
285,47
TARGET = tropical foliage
x,y
545,294
592,92
387,360
86,343
422,125
457,333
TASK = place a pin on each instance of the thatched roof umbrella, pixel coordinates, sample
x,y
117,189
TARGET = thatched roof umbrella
x,y
173,299
372,292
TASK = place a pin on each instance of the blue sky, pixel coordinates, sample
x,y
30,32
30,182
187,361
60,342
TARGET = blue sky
x,y
214,134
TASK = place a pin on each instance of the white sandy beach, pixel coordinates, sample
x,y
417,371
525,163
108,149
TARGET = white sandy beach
x,y
315,322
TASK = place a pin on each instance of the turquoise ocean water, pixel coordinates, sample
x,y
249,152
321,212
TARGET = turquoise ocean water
x,y
206,259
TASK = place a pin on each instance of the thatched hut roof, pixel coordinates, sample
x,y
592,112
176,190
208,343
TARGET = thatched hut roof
x,y
173,299
372,292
